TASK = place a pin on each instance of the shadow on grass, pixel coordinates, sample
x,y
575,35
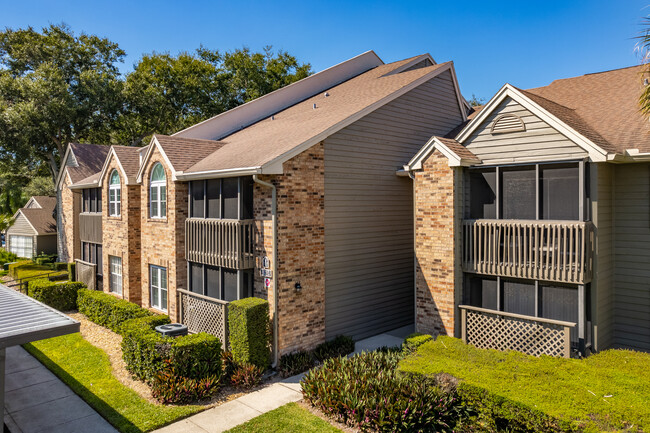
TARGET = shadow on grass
x,y
104,409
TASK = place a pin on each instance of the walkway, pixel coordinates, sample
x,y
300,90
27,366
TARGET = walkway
x,y
247,407
37,401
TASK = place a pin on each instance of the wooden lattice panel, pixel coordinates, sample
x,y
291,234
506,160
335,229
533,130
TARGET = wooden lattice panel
x,y
492,331
87,274
202,315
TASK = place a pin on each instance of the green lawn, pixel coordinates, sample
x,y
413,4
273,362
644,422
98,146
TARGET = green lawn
x,y
30,269
87,370
289,418
607,391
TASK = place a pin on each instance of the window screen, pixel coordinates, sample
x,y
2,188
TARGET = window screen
x,y
483,187
229,284
560,195
518,193
196,278
559,302
247,197
230,198
99,260
482,293
212,282
213,196
198,199
518,297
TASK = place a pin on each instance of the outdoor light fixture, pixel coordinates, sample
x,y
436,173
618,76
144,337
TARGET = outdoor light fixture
x,y
298,287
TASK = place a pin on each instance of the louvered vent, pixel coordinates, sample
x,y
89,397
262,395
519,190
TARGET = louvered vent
x,y
507,123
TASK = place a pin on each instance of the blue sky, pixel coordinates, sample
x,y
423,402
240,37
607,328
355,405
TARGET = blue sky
x,y
526,43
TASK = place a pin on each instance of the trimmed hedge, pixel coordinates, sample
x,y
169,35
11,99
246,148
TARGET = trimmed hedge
x,y
71,271
12,267
248,324
107,310
415,340
195,356
63,297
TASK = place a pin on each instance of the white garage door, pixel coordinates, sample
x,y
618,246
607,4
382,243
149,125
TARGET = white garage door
x,y
22,246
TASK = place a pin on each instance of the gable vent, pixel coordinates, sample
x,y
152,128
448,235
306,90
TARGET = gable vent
x,y
507,123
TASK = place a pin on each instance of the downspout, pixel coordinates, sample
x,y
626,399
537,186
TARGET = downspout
x,y
274,222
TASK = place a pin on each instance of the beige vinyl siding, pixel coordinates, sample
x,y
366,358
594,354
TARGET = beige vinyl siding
x,y
538,142
21,227
602,290
632,252
368,210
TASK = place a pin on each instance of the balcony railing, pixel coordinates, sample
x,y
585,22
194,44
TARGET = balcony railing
x,y
90,227
560,251
220,242
491,329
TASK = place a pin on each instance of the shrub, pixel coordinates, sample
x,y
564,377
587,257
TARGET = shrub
x,y
71,271
340,346
44,259
7,257
367,392
415,340
248,323
63,297
14,266
60,266
145,351
107,310
168,386
246,376
229,365
295,363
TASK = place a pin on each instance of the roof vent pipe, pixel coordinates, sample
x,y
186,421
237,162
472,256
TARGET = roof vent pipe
x,y
327,94
314,106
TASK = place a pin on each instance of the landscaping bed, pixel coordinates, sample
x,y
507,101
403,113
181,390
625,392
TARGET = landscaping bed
x,y
608,391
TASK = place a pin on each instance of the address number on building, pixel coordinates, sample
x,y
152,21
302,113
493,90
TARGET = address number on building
x,y
267,273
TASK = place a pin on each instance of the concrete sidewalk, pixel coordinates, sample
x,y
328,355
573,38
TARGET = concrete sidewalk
x,y
37,401
238,411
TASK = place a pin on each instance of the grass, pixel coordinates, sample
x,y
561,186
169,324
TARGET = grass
x,y
607,391
30,269
289,418
87,370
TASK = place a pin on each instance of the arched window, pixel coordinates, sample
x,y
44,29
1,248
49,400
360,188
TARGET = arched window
x,y
114,194
158,193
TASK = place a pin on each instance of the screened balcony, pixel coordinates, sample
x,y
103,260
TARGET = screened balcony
x,y
530,222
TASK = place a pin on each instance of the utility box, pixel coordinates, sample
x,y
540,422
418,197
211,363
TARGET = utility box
x,y
172,330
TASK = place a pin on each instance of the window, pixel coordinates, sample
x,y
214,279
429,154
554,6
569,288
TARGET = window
x,y
115,283
114,195
91,200
22,246
483,185
220,283
158,285
228,198
560,192
518,193
158,193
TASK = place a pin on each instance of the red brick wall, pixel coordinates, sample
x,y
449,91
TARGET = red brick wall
x,y
436,245
121,236
163,240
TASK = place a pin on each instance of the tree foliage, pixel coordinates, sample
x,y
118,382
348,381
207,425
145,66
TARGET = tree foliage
x,y
644,47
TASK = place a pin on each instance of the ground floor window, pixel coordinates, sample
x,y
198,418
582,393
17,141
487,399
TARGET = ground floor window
x,y
220,283
92,253
22,246
115,283
158,287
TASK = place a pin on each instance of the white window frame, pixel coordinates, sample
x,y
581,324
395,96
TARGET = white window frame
x,y
115,274
158,288
114,196
22,247
157,188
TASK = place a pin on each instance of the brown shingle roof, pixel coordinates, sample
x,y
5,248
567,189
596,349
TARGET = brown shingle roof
x,y
90,158
269,139
129,158
185,152
605,104
41,219
46,202
458,149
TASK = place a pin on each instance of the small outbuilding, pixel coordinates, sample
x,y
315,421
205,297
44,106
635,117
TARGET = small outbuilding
x,y
34,229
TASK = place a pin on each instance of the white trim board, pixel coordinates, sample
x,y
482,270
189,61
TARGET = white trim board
x,y
434,143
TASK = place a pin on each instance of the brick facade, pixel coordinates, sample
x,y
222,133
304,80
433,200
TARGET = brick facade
x,y
121,235
437,219
68,226
163,240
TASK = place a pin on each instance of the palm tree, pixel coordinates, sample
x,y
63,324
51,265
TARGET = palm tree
x,y
644,48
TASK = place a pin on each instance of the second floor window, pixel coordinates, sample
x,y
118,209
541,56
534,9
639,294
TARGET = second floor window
x,y
227,198
92,200
158,193
114,195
